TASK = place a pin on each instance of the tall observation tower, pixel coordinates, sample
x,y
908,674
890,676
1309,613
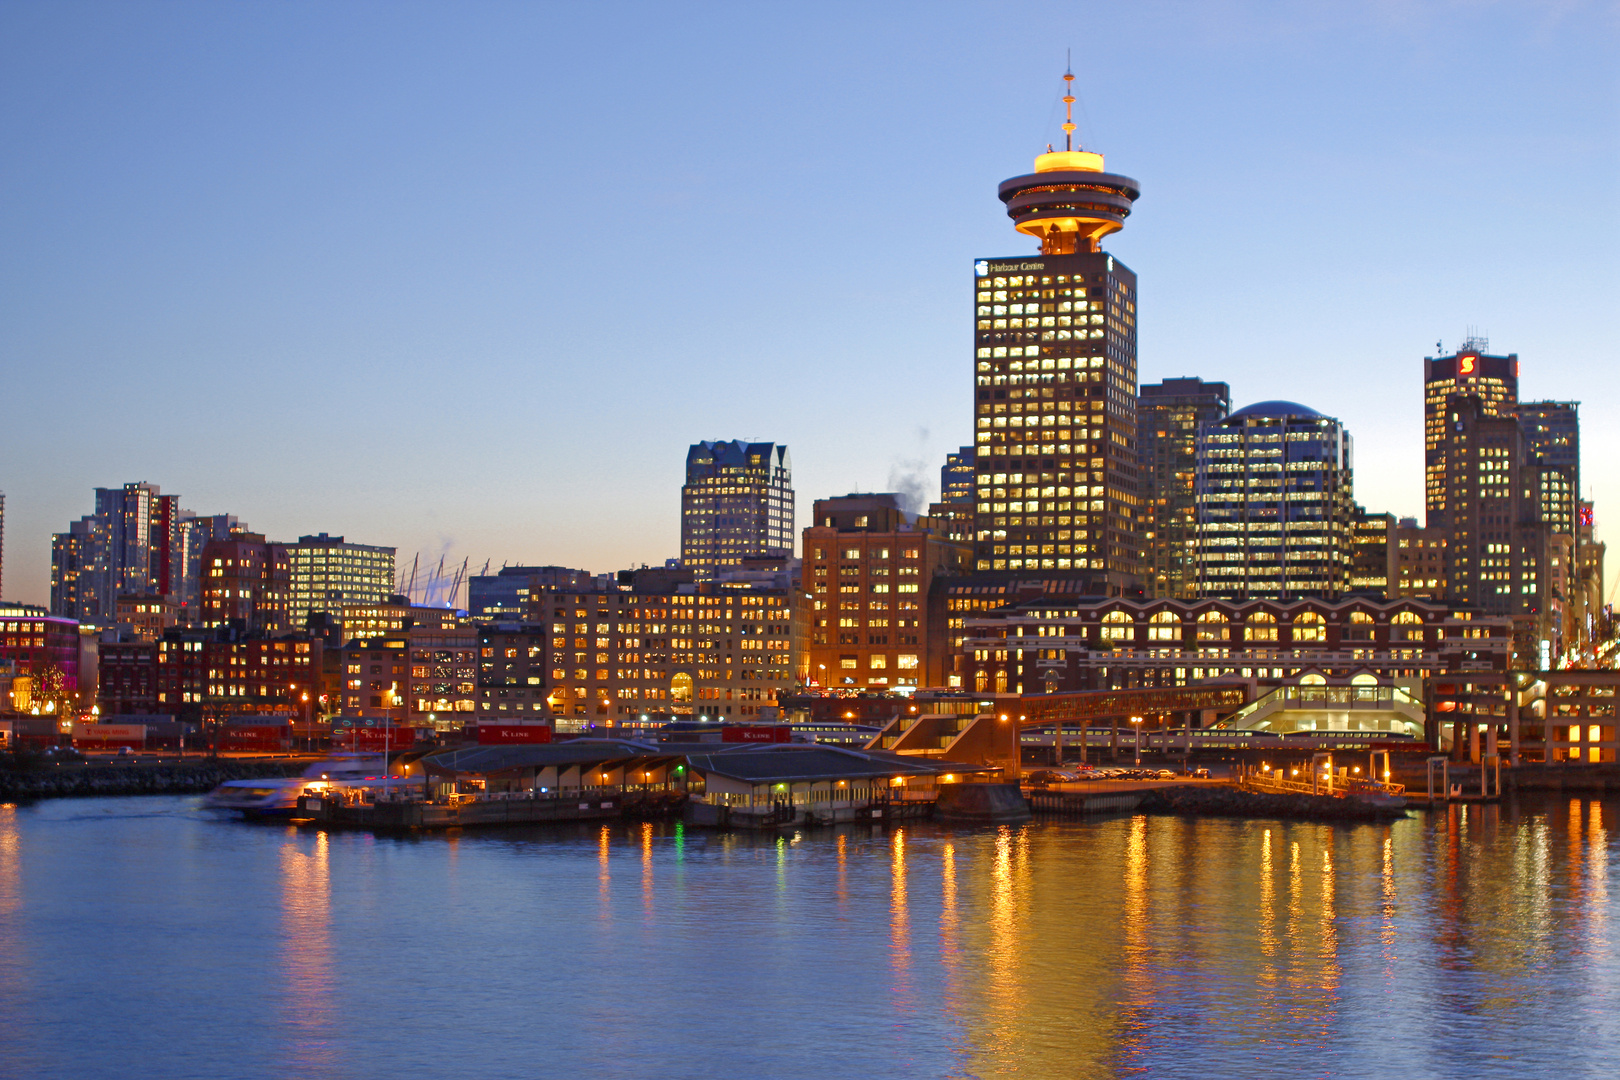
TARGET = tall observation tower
x,y
1055,382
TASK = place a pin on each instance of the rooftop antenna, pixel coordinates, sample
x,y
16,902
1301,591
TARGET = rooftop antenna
x,y
1068,100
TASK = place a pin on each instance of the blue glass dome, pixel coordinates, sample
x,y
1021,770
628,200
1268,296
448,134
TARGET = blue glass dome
x,y
1276,408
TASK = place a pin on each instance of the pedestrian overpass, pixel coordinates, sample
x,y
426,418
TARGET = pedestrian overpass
x,y
970,732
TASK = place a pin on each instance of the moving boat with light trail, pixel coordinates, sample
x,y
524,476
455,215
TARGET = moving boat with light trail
x,y
277,797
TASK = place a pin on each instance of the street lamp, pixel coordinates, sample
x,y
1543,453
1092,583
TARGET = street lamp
x,y
1136,723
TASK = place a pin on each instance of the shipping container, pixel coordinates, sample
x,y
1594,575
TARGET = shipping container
x,y
760,733
502,734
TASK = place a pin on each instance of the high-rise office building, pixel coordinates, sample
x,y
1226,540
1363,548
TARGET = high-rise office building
x,y
1275,502
1503,495
328,572
1586,609
737,503
956,477
1168,416
1375,568
1055,382
1493,380
1552,438
1496,544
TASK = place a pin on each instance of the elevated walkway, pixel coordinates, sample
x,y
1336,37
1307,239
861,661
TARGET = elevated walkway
x,y
1290,709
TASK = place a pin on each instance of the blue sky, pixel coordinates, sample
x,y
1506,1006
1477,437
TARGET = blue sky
x,y
469,278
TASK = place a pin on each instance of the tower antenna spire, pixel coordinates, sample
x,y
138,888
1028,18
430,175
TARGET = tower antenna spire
x,y
1068,100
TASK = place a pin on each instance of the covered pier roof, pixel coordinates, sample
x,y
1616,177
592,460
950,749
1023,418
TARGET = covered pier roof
x,y
807,764
487,760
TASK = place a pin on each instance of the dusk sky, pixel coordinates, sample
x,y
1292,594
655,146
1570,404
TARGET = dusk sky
x,y
468,279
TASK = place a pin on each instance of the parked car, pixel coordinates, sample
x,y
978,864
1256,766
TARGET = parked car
x,y
1201,774
1045,777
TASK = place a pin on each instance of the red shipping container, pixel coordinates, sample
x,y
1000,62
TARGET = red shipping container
x,y
377,739
502,734
109,736
255,738
772,733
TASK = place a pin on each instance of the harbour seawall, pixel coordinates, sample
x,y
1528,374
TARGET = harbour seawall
x,y
74,780
1225,801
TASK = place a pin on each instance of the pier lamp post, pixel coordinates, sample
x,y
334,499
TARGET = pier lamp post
x,y
1136,725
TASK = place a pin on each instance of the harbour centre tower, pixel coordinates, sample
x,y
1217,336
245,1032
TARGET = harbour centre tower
x,y
1055,383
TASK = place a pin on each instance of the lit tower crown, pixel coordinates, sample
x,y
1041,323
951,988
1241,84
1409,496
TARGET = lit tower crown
x,y
1068,203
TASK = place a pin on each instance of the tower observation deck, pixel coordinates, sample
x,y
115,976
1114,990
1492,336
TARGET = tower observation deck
x,y
1069,203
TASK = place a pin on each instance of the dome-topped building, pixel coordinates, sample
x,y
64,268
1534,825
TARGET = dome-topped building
x,y
1275,504
1274,408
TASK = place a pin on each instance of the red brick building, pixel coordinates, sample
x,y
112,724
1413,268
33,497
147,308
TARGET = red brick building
x,y
870,569
246,579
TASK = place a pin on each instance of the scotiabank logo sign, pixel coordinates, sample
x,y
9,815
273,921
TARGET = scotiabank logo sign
x,y
1467,364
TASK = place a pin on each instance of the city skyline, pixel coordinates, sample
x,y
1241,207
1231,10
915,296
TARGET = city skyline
x,y
178,329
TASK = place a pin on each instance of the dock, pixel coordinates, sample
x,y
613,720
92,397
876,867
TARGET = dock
x,y
1087,797
466,811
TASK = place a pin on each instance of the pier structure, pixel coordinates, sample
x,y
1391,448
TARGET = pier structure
x,y
987,731
790,784
741,786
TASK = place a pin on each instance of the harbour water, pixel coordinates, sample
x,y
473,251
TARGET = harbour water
x,y
140,938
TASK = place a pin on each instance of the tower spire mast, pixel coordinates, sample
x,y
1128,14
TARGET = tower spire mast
x,y
1068,104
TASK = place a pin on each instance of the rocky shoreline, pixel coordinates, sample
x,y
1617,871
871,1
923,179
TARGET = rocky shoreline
x,y
1222,801
160,778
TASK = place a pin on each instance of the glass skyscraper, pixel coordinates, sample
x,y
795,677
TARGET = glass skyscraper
x,y
1275,504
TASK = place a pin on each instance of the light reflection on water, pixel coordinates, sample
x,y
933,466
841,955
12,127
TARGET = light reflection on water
x,y
1473,941
308,997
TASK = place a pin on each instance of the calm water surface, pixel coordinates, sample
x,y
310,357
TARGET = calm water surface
x,y
139,938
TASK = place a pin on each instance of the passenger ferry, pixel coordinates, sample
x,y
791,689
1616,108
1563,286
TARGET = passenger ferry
x,y
270,797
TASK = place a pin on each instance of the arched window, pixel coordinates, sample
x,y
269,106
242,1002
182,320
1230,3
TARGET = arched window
x,y
680,688
1116,626
1262,626
1408,626
1165,626
1212,626
981,680
1308,627
1001,681
1360,628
